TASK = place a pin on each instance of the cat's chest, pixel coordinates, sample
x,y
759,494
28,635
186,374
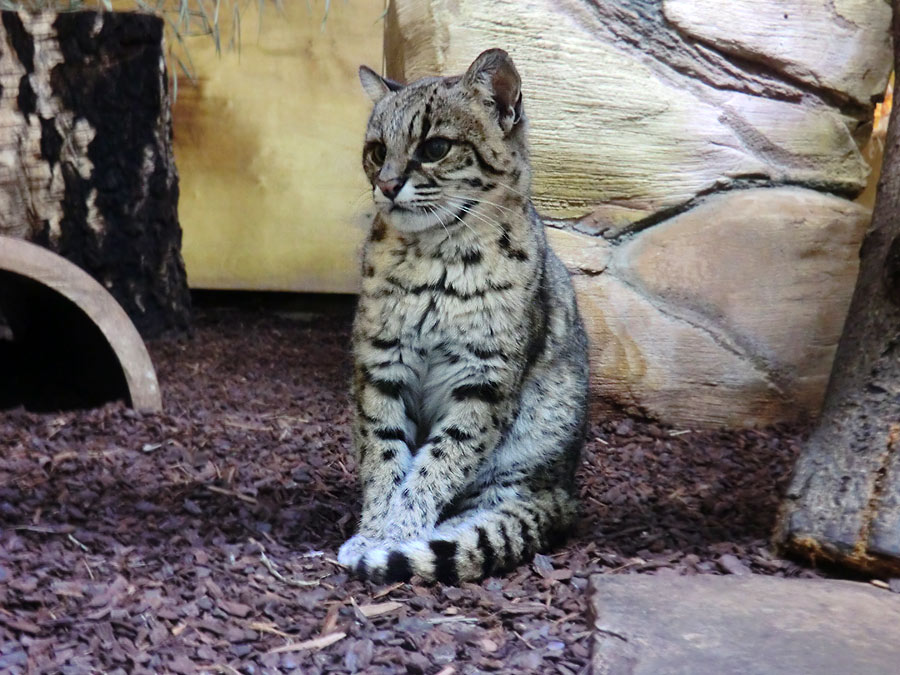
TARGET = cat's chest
x,y
426,300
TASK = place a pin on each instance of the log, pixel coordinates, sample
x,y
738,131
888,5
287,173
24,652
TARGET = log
x,y
72,343
843,503
706,156
88,170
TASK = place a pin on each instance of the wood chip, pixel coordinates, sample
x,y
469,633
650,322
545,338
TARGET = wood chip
x,y
231,493
237,609
315,644
452,619
201,555
387,591
731,565
379,608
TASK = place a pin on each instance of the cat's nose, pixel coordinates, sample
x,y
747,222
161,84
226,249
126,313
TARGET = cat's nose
x,y
390,188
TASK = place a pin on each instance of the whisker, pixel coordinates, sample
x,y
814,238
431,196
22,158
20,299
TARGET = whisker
x,y
513,190
486,201
461,205
465,224
433,211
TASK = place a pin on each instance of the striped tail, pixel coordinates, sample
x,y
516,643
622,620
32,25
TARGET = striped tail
x,y
478,543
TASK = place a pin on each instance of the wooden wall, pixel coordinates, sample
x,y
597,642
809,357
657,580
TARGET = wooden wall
x,y
267,144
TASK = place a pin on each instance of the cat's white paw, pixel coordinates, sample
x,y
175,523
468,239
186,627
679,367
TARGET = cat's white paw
x,y
352,550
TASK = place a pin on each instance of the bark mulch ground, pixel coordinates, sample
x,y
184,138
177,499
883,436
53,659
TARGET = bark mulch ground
x,y
203,539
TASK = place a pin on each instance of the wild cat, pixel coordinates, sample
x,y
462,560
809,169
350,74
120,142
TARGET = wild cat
x,y
470,358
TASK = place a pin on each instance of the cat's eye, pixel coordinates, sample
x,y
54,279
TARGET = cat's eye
x,y
434,149
378,153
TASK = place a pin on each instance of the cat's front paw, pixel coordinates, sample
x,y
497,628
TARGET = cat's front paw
x,y
353,550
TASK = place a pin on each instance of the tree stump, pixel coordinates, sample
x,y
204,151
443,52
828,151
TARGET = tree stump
x,y
88,169
697,161
843,503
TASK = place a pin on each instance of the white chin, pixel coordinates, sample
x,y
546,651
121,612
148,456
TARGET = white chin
x,y
411,221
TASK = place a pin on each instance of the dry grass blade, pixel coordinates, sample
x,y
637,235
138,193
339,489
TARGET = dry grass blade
x,y
313,644
300,583
269,628
231,493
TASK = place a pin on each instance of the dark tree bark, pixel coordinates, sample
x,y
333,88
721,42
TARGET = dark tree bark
x,y
843,504
94,175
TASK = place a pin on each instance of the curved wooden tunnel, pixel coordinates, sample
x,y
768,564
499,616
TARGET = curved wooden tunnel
x,y
72,341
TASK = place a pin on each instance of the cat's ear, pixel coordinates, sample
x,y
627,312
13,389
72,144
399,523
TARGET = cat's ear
x,y
376,86
494,77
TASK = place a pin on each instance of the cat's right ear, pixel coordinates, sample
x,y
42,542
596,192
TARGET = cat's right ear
x,y
376,86
495,79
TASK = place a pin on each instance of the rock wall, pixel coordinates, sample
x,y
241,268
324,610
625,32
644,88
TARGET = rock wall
x,y
697,160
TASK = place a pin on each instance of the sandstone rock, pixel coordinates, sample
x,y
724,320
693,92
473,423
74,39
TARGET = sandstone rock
x,y
791,36
628,115
706,304
582,254
747,625
728,314
653,363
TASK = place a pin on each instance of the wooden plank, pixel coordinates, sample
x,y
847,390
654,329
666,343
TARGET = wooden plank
x,y
267,144
45,267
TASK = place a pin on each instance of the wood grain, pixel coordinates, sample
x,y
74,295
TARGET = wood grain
x,y
268,143
45,267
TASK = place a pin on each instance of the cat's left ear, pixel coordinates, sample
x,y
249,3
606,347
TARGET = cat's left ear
x,y
376,86
494,77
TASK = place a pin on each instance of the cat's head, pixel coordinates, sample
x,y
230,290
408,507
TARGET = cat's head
x,y
440,147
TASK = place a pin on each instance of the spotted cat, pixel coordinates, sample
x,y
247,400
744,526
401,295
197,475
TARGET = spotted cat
x,y
470,375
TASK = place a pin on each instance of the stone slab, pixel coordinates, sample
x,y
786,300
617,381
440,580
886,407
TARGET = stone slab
x,y
749,625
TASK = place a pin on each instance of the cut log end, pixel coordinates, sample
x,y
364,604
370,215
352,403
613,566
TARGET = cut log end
x,y
72,345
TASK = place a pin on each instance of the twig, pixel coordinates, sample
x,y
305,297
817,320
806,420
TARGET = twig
x,y
300,583
527,643
232,493
267,628
386,591
78,543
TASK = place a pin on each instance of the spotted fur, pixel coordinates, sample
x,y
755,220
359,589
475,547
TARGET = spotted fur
x,y
470,378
